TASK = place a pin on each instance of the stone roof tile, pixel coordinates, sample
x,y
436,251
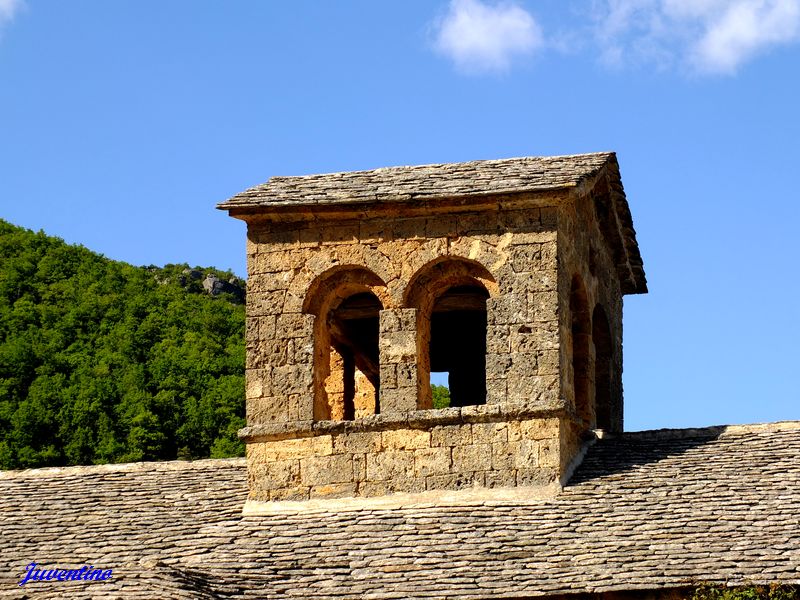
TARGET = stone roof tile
x,y
643,511
391,184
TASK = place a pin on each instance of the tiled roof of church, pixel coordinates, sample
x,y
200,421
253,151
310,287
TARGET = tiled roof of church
x,y
644,511
390,184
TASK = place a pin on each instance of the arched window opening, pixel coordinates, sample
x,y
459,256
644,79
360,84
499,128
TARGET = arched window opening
x,y
581,340
458,342
353,383
601,337
450,296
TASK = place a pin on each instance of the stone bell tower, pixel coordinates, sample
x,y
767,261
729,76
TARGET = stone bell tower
x,y
507,275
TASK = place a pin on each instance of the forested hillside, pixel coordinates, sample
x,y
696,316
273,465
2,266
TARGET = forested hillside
x,y
102,361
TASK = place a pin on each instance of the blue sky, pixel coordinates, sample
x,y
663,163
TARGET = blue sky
x,y
123,123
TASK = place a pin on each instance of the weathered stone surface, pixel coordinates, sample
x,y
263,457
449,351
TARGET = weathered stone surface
x,y
390,464
325,470
644,511
406,439
432,461
361,284
477,457
451,435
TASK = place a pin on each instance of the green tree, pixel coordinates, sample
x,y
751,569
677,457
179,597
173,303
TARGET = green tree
x,y
102,361
441,396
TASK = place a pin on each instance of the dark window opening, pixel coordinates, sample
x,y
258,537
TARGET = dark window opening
x,y
353,385
601,336
458,342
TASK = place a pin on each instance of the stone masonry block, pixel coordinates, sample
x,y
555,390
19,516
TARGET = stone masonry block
x,y
534,337
253,382
477,457
335,490
496,392
398,319
540,429
548,362
294,325
293,494
359,467
278,474
388,376
398,400
406,439
514,431
398,346
268,409
300,351
497,339
441,227
536,477
261,304
267,353
271,282
542,306
503,456
310,238
540,235
498,479
549,216
454,481
451,435
549,455
409,229
523,364
406,485
407,375
342,234
325,470
497,365
543,280
291,379
526,258
305,405
507,309
293,448
266,327
358,442
527,454
390,464
489,433
432,461
251,329
526,389
520,219
374,231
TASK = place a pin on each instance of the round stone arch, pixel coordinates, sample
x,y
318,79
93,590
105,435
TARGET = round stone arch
x,y
346,301
459,287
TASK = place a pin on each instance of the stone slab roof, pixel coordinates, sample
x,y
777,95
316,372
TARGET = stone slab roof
x,y
643,511
392,184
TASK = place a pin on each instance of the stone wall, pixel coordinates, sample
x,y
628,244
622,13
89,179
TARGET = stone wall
x,y
586,259
545,265
299,271
366,462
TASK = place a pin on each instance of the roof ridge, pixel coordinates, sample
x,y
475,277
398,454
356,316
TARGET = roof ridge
x,y
713,430
167,465
482,161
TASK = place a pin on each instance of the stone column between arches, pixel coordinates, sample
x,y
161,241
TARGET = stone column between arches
x,y
398,360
